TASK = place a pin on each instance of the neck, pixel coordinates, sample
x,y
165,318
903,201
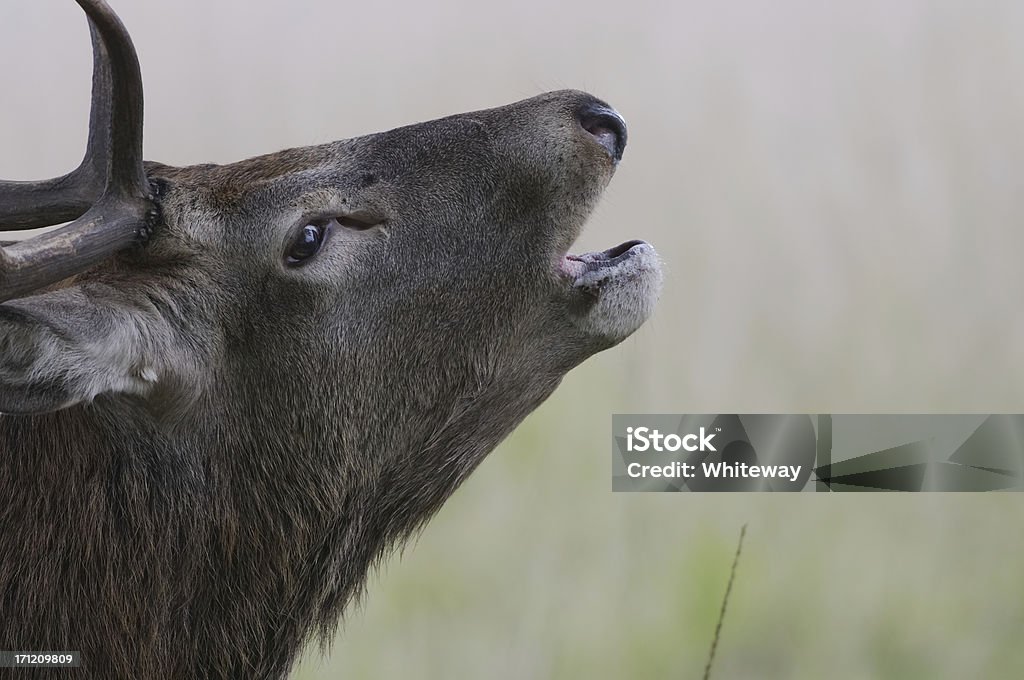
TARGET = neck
x,y
212,548
156,560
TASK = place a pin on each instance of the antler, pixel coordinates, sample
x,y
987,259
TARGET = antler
x,y
107,195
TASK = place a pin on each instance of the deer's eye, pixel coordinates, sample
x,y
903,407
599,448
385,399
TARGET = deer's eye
x,y
307,243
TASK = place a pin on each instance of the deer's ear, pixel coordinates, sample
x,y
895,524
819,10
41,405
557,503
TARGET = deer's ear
x,y
65,347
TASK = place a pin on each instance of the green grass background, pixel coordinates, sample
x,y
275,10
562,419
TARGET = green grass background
x,y
535,570
837,193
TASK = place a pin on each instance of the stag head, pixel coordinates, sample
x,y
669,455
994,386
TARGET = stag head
x,y
323,340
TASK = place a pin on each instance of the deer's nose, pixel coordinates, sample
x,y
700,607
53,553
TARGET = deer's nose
x,y
606,126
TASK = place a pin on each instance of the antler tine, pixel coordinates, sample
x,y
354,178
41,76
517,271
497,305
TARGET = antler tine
x,y
124,118
109,186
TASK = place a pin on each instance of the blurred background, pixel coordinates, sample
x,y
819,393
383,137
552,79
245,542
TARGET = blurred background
x,y
836,190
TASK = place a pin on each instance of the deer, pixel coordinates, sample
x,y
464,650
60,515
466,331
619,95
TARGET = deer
x,y
228,392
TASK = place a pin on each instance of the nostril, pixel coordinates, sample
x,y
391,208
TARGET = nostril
x,y
607,127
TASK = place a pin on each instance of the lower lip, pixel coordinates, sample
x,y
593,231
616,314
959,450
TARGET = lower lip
x,y
576,265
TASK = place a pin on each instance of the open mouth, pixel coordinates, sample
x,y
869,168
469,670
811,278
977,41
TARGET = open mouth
x,y
615,289
577,265
612,292
591,270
